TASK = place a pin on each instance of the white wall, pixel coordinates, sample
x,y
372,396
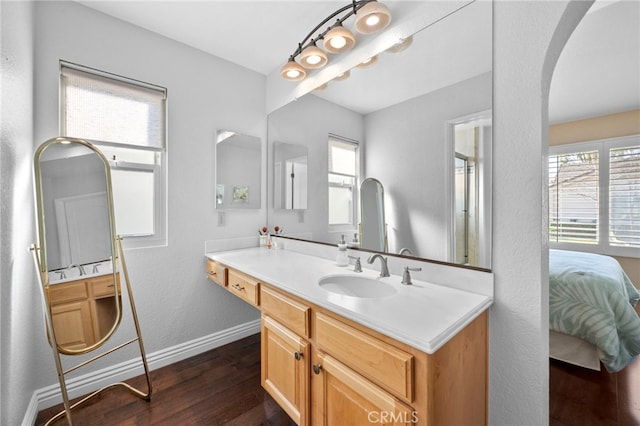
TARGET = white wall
x,y
406,150
20,329
172,276
175,302
528,36
308,122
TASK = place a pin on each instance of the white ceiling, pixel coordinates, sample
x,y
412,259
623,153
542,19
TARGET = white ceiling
x,y
597,72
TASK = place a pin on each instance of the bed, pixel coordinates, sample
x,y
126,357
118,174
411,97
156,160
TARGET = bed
x,y
591,311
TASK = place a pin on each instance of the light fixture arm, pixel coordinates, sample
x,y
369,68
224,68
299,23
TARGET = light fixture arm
x,y
308,41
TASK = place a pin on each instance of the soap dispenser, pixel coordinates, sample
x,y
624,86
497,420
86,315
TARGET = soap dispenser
x,y
342,259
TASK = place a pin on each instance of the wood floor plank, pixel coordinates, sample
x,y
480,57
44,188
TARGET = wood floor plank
x,y
218,387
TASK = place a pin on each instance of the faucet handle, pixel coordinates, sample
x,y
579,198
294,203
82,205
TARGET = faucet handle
x,y
357,266
406,276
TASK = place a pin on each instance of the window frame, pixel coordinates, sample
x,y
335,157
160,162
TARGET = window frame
x,y
159,237
340,227
603,148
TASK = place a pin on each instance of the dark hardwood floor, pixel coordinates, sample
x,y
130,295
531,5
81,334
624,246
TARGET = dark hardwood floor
x,y
582,397
222,387
218,387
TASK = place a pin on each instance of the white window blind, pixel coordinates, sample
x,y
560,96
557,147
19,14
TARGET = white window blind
x,y
126,120
624,195
105,108
573,197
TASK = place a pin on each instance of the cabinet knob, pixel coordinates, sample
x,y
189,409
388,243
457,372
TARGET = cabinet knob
x,y
297,355
238,287
212,273
316,368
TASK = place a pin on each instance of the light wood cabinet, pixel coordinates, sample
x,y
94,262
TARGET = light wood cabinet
x,y
324,369
83,311
285,369
217,272
342,396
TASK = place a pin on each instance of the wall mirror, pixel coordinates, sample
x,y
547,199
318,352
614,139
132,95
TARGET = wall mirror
x,y
238,171
75,217
290,176
399,111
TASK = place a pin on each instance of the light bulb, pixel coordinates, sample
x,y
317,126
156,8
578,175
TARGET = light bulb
x,y
372,20
293,73
313,59
338,42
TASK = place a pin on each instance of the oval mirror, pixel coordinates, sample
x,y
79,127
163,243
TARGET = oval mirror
x,y
373,229
77,245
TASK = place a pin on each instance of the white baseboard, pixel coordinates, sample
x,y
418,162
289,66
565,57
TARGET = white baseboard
x,y
50,395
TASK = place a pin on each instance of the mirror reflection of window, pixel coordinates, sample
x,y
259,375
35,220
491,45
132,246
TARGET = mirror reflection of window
x,y
343,178
126,120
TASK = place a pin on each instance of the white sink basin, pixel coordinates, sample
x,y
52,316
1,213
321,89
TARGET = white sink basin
x,y
355,286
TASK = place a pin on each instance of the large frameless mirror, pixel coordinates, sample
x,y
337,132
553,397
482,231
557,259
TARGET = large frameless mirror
x,y
399,111
238,171
76,234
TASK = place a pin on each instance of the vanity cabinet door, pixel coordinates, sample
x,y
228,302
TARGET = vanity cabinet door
x,y
72,324
342,396
285,369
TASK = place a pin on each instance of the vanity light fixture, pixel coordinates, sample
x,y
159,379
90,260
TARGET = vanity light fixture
x,y
401,45
371,16
369,62
345,75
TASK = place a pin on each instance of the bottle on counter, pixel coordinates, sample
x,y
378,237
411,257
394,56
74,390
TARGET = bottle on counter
x,y
342,259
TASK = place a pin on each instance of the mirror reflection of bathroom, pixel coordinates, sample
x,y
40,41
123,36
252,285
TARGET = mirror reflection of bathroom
x,y
238,171
470,181
290,176
373,228
77,245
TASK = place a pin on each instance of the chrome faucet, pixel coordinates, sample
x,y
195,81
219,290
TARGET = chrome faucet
x,y
357,266
405,251
384,271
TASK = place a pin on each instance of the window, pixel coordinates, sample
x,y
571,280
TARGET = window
x,y
594,196
126,120
343,179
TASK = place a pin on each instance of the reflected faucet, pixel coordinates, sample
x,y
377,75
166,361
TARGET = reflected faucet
x,y
80,268
384,270
404,251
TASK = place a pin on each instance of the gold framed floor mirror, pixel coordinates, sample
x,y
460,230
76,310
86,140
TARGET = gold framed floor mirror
x,y
80,262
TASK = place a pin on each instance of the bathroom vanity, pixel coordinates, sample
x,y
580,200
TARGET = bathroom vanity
x,y
83,309
378,352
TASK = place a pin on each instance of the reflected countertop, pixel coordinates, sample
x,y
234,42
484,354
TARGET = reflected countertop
x,y
422,315
72,273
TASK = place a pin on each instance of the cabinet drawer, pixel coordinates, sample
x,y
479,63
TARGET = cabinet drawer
x,y
103,286
60,293
216,272
243,286
385,365
294,315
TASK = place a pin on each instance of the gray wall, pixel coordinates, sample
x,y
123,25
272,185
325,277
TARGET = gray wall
x,y
405,149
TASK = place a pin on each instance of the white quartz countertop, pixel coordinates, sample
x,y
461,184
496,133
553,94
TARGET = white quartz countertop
x,y
422,315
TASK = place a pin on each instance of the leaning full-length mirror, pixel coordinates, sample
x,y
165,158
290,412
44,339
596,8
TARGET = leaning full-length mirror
x,y
397,115
373,228
77,244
